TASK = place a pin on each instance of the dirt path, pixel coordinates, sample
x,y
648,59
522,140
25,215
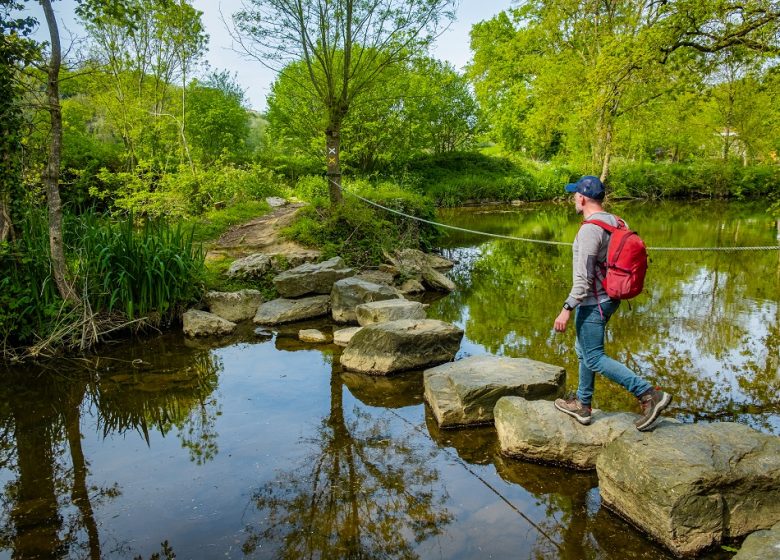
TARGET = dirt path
x,y
260,235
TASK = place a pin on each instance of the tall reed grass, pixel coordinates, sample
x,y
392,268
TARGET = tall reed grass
x,y
154,269
122,270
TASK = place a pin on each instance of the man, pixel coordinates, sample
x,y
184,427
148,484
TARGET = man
x,y
593,308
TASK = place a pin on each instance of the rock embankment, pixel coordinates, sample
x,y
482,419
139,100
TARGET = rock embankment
x,y
465,392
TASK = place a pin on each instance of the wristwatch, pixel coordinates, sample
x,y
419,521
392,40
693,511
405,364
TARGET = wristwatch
x,y
566,306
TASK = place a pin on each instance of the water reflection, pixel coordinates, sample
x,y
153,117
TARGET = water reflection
x,y
48,505
360,492
707,328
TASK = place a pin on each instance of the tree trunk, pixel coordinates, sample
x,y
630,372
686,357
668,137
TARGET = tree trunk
x,y
51,175
6,226
333,149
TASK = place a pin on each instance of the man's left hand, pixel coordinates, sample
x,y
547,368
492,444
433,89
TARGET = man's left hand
x,y
561,320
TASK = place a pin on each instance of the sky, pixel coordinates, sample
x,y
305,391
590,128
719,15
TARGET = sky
x,y
452,45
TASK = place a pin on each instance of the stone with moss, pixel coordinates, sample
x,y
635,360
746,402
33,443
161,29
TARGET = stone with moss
x,y
465,392
385,348
312,278
692,486
283,310
347,294
234,306
202,323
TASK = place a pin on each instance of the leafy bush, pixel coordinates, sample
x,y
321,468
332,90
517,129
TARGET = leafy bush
x,y
703,178
148,192
28,296
359,232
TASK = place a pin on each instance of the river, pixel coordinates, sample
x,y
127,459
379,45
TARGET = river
x,y
262,447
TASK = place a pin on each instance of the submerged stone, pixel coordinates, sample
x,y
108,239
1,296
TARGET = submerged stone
x,y
384,348
691,486
465,392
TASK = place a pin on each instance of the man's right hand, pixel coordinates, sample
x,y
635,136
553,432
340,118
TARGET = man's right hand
x,y
562,320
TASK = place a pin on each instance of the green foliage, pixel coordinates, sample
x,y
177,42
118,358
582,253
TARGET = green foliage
x,y
155,269
29,300
213,223
217,122
712,179
361,233
187,192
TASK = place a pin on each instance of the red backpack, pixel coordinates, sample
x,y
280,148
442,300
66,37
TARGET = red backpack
x,y
626,261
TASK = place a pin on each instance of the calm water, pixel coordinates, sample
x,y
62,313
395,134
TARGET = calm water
x,y
261,447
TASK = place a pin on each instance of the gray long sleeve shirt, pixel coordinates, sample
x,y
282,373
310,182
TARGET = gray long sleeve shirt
x,y
590,249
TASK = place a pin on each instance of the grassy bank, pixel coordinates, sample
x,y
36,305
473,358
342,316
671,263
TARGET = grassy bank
x,y
462,178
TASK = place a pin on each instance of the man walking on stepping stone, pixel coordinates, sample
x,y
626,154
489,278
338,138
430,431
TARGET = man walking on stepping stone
x,y
593,308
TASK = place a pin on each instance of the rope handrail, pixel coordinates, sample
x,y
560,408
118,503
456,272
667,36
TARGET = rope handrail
x,y
546,242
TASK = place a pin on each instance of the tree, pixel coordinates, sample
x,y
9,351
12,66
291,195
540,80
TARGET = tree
x,y
421,106
51,176
218,122
575,71
344,45
15,49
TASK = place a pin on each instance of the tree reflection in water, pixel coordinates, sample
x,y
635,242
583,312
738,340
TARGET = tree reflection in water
x,y
48,509
706,328
360,493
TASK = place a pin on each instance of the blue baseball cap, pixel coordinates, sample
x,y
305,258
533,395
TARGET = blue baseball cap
x,y
589,186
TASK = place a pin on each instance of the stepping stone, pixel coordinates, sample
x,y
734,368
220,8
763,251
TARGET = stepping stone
x,y
284,310
347,294
202,323
234,306
761,545
465,392
386,348
537,431
691,486
388,310
342,337
312,278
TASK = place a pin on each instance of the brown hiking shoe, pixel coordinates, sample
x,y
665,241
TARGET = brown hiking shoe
x,y
574,408
653,403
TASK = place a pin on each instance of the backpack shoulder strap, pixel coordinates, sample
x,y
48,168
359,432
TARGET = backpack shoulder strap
x,y
605,225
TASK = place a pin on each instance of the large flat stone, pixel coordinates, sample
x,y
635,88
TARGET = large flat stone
x,y
253,266
761,545
691,486
465,392
388,310
385,348
348,293
284,310
537,431
234,306
312,278
342,337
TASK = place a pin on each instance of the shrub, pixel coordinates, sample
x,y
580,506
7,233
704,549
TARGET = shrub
x,y
361,233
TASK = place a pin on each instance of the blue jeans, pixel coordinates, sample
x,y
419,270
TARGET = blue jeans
x,y
590,327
